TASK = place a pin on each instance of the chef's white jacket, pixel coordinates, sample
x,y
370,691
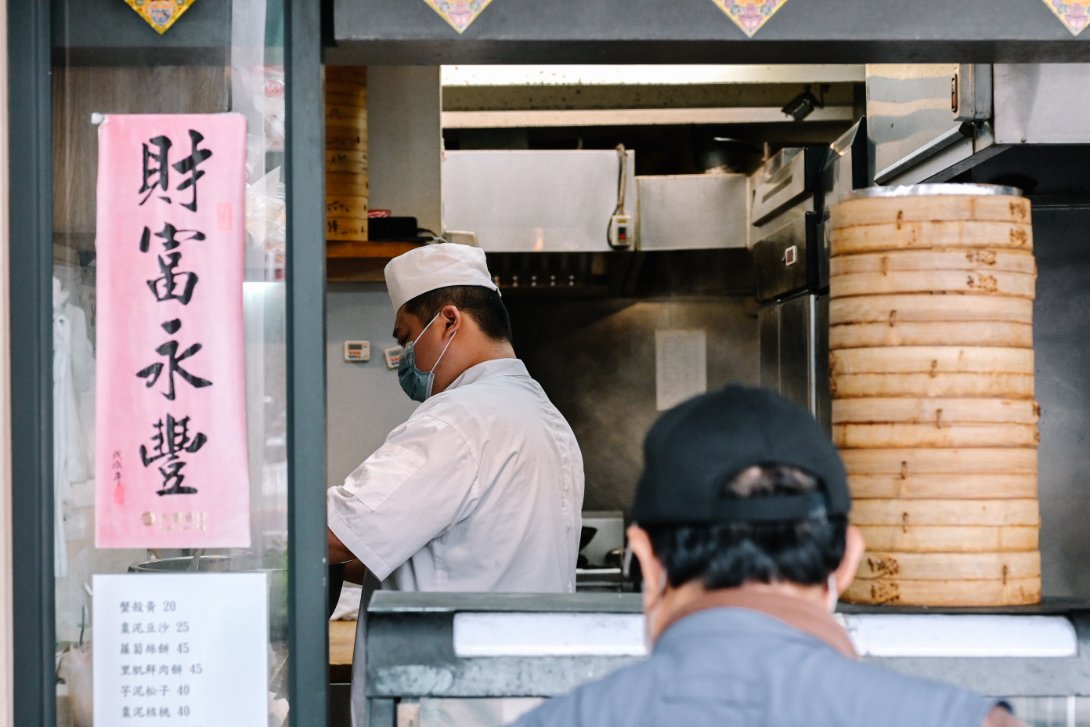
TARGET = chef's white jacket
x,y
480,490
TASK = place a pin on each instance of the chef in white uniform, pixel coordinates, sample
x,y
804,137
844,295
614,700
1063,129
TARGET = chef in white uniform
x,y
482,488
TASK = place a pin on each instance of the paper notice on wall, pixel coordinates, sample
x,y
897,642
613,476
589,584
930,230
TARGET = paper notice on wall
x,y
188,650
681,366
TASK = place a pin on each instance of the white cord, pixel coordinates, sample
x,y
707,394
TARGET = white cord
x,y
622,180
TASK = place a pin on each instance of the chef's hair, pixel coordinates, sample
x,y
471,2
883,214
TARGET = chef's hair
x,y
483,304
728,555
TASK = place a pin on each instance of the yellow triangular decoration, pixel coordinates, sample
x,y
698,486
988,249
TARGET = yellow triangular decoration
x,y
1074,14
160,14
750,15
459,13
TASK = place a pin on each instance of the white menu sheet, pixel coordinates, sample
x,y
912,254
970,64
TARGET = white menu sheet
x,y
681,366
185,650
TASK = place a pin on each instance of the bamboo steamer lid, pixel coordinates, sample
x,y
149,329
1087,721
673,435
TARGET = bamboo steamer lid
x,y
931,360
931,333
887,236
931,203
929,486
879,565
926,308
933,281
1004,386
938,412
951,539
1009,592
928,435
993,513
977,260
946,462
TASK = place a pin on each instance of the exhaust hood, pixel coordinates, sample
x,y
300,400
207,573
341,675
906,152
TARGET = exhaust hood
x,y
1026,125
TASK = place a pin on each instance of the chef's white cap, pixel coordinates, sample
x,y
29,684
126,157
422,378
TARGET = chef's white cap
x,y
431,267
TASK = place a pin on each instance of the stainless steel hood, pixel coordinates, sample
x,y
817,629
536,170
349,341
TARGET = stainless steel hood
x,y
1021,124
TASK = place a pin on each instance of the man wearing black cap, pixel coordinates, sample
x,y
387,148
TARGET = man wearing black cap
x,y
740,528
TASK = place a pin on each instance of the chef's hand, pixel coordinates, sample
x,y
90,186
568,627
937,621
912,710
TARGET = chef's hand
x,y
337,552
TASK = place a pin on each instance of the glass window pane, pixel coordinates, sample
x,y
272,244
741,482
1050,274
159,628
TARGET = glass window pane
x,y
215,58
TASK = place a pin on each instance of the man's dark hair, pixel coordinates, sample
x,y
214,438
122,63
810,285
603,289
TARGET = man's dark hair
x,y
728,555
483,304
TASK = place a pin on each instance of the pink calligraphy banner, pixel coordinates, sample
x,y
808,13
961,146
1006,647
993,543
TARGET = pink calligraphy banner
x,y
171,454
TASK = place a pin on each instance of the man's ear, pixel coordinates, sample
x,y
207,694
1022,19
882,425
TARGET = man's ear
x,y
854,547
452,318
650,566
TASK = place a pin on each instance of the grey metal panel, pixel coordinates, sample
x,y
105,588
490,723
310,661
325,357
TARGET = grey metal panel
x,y
782,257
305,180
910,114
30,308
1061,328
535,201
780,183
1009,677
692,211
768,333
411,654
796,350
695,31
1042,104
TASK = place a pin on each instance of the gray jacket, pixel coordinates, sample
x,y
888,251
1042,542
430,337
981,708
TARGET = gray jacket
x,y
734,666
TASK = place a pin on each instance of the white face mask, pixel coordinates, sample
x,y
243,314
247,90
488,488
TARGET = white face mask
x,y
831,597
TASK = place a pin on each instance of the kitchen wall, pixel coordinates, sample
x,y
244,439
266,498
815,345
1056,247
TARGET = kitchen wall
x,y
1061,332
595,359
364,400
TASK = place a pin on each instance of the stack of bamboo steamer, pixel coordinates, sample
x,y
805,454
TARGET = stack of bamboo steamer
x,y
346,178
931,358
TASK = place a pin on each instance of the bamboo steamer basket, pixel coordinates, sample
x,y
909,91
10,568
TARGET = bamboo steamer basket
x,y
905,462
967,486
946,512
931,333
936,411
933,281
889,565
932,361
928,435
950,539
931,369
973,260
856,238
346,159
978,593
892,310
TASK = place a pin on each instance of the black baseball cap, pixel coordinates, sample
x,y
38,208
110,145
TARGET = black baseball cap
x,y
697,447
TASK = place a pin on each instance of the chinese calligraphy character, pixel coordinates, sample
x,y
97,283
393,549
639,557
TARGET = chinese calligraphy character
x,y
172,284
170,349
156,168
170,440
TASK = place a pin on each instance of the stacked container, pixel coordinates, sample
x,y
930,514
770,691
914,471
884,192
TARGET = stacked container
x,y
931,361
346,180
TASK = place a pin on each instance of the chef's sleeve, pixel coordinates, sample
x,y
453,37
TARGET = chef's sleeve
x,y
417,485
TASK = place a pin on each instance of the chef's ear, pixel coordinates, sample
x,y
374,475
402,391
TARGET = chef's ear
x,y
452,317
